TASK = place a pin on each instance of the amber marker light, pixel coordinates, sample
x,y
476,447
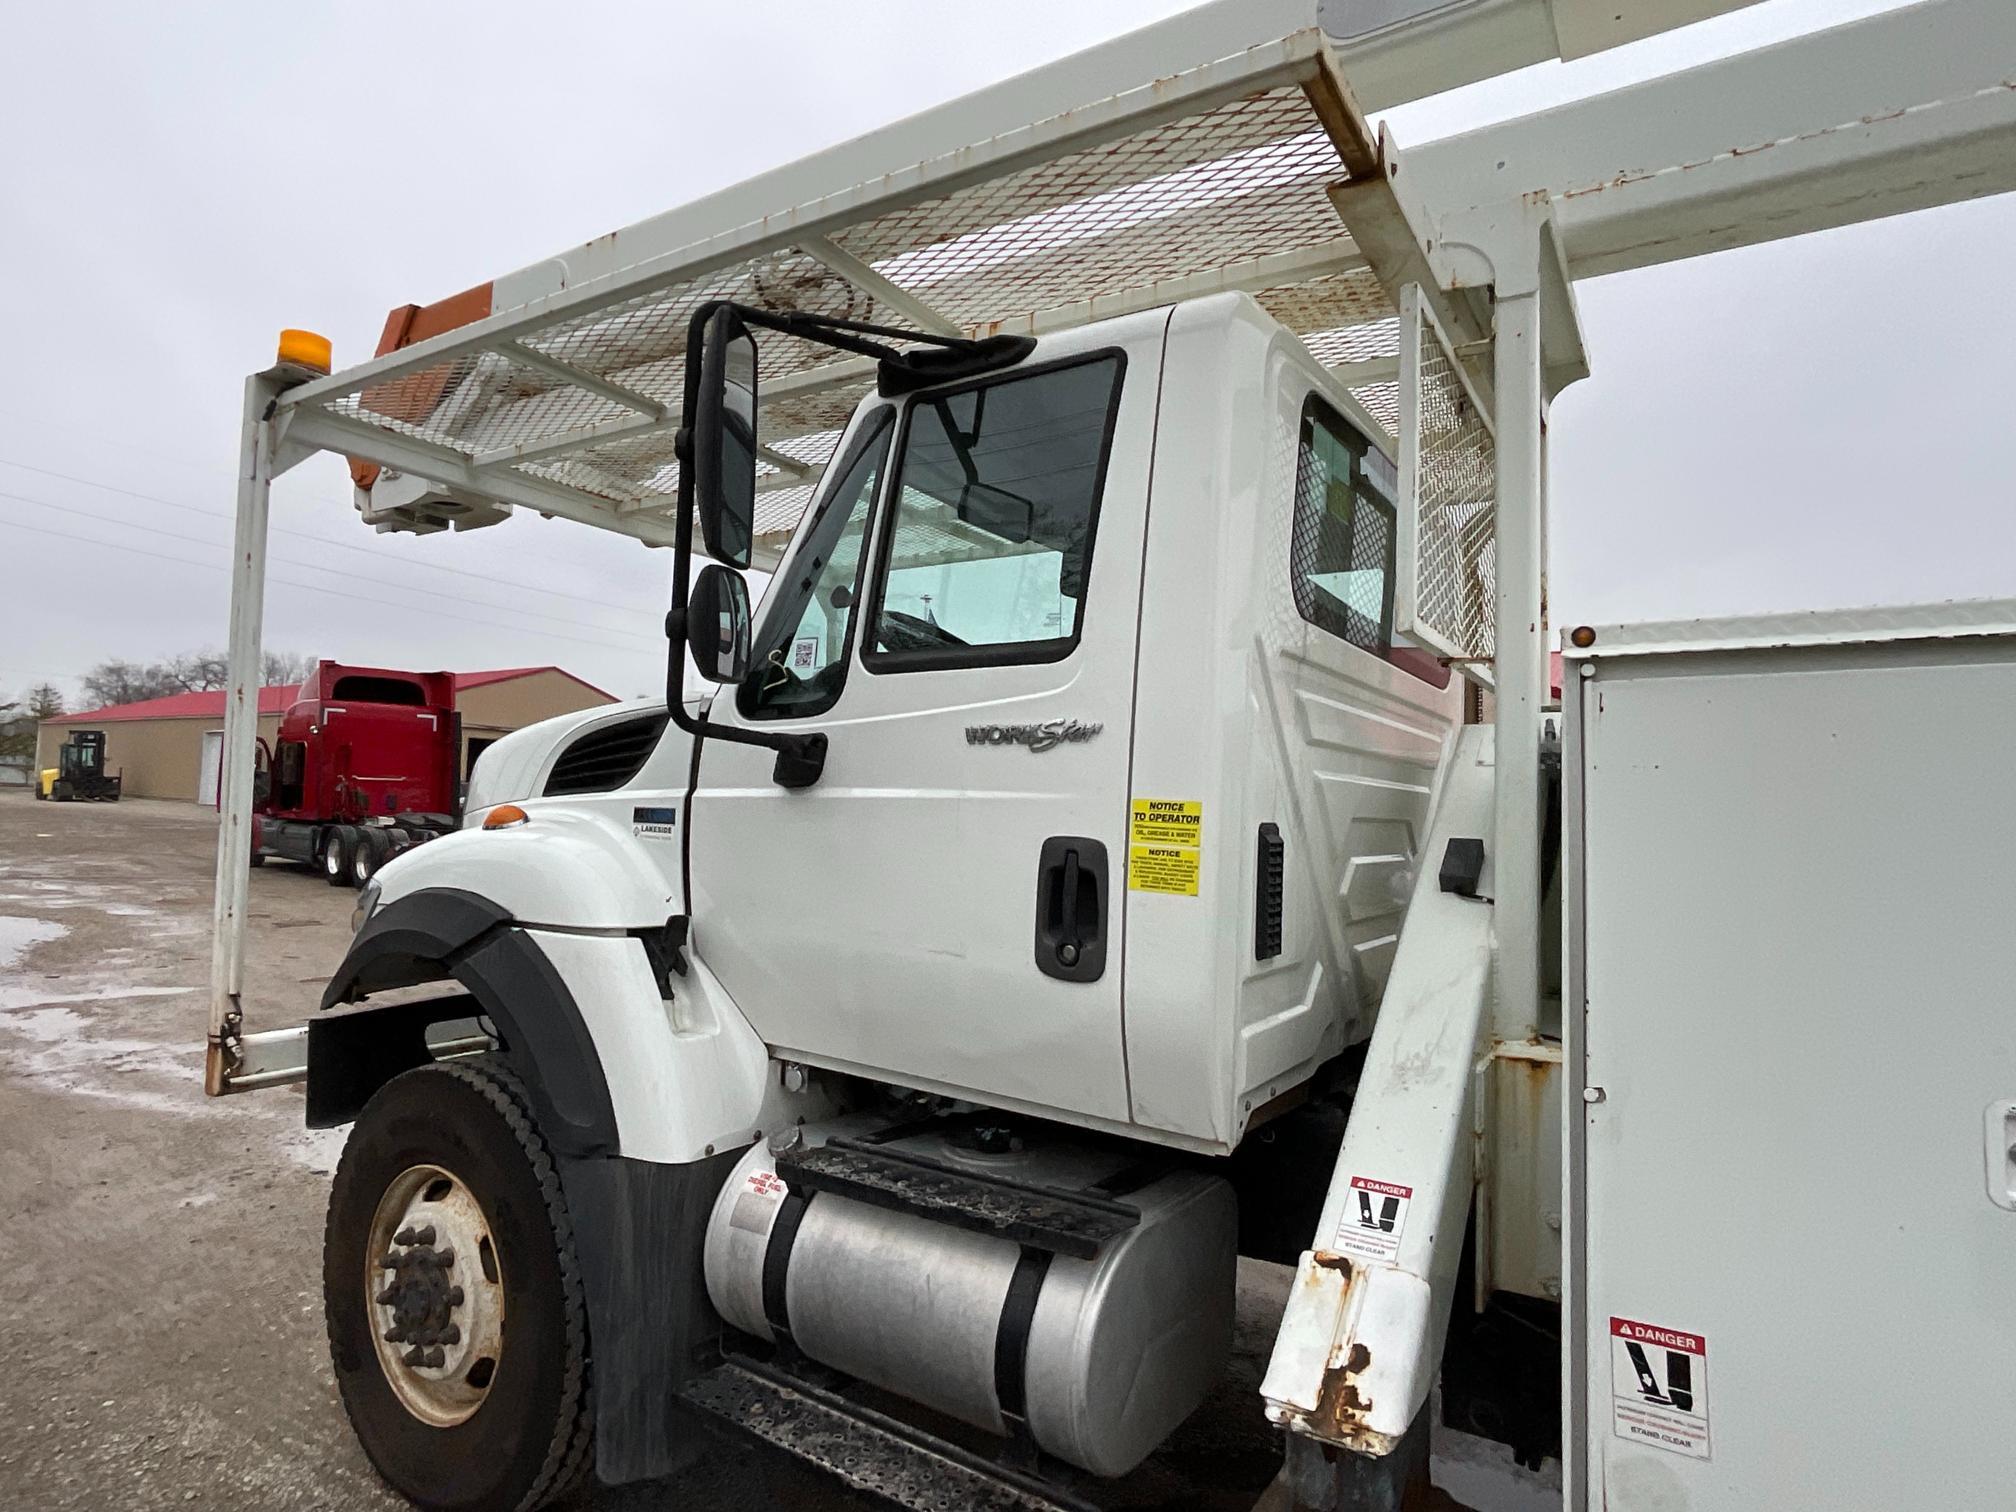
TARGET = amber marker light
x,y
505,816
305,349
1582,637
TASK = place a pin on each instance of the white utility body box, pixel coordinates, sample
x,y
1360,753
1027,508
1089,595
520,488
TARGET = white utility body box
x,y
1792,1047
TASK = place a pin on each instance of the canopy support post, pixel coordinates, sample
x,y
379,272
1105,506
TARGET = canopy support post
x,y
224,1048
1520,671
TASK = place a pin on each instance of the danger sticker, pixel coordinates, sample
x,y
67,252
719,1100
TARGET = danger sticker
x,y
1165,850
1375,1216
805,654
1659,1387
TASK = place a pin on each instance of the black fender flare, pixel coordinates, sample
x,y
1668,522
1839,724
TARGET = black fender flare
x,y
446,934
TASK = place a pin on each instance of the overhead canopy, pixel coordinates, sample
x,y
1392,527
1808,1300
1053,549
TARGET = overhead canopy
x,y
1228,173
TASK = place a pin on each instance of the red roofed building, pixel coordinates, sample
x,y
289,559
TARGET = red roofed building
x,y
169,747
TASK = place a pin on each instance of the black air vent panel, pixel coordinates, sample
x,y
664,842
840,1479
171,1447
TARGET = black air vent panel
x,y
604,759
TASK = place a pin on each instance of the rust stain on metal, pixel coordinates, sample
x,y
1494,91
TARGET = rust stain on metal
x,y
1331,1261
1340,1406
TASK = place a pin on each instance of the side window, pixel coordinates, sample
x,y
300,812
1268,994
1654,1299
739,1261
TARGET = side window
x,y
1340,557
802,644
990,541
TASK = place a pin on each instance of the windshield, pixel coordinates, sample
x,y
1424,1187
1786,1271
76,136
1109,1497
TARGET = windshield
x,y
801,647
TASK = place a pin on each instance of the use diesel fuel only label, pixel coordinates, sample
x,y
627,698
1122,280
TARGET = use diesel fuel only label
x,y
1165,846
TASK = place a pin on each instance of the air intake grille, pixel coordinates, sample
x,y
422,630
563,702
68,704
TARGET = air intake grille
x,y
1267,890
605,759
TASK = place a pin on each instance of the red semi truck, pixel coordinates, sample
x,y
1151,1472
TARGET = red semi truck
x,y
367,762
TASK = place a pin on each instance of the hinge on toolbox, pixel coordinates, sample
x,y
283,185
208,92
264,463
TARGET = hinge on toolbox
x,y
1077,1224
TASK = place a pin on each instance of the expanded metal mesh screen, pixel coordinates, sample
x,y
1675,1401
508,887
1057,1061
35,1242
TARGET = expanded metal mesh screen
x,y
1448,500
1117,224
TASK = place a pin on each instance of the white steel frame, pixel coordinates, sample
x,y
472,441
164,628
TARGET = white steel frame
x,y
1906,110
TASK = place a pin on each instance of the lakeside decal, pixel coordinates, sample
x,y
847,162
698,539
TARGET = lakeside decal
x,y
1165,846
1659,1387
654,823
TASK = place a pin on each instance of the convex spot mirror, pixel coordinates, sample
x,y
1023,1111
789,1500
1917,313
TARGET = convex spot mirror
x,y
717,624
724,439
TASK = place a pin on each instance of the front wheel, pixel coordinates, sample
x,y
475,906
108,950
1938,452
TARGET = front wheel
x,y
457,1323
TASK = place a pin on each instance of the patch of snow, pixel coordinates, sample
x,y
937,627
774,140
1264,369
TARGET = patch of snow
x,y
316,1149
18,935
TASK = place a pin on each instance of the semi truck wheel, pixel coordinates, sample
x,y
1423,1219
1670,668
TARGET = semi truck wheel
x,y
457,1322
367,855
336,843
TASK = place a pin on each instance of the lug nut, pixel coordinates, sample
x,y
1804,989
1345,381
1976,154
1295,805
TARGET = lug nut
x,y
394,1335
387,1297
404,1236
444,1257
452,1334
424,1236
454,1296
415,1356
389,1262
436,1358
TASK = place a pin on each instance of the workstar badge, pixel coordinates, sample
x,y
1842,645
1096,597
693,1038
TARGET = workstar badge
x,y
1037,737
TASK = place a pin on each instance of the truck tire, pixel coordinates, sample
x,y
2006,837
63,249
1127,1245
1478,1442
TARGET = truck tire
x,y
367,855
337,841
487,1419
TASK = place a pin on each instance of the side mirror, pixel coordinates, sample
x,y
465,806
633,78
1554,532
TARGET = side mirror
x,y
724,439
717,624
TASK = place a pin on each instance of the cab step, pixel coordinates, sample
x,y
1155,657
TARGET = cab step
x,y
869,1451
1077,1224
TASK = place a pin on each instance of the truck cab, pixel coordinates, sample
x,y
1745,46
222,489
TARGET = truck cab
x,y
1067,793
365,762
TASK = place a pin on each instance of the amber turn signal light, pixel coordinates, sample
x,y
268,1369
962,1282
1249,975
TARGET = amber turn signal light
x,y
305,349
505,816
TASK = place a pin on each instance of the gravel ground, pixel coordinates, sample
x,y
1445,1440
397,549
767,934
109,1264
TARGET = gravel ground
x,y
161,1337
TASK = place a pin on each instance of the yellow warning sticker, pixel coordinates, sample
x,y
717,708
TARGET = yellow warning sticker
x,y
1165,853
1163,869
1163,821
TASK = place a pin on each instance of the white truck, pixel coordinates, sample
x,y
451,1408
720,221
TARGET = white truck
x,y
1096,865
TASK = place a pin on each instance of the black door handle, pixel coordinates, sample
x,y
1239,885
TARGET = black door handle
x,y
1071,909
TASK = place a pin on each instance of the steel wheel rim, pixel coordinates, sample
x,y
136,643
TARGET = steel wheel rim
x,y
332,856
434,1293
360,864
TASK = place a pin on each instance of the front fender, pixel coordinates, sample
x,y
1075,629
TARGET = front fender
x,y
616,1065
570,867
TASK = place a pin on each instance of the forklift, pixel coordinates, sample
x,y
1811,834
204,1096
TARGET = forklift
x,y
79,773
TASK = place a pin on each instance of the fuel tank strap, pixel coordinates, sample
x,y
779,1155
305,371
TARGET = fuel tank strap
x,y
1011,1337
777,1262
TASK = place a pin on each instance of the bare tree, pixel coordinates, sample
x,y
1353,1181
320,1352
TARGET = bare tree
x,y
121,682
285,667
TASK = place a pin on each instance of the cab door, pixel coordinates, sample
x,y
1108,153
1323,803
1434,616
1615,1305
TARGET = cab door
x,y
959,616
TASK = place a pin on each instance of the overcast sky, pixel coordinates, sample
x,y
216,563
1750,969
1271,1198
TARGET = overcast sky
x,y
1820,422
